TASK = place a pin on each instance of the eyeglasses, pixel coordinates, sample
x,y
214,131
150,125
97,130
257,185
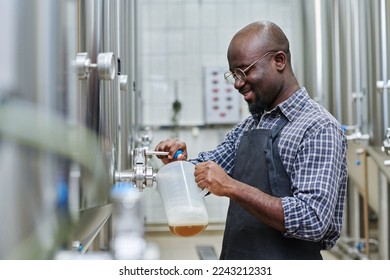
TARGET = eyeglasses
x,y
239,74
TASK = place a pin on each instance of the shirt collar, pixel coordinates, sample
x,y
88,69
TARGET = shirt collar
x,y
290,107
294,104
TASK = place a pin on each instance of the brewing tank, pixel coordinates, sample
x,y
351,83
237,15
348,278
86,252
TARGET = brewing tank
x,y
65,126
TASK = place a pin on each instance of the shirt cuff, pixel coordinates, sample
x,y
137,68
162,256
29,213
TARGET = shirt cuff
x,y
287,205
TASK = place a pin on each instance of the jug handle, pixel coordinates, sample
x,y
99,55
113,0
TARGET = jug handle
x,y
203,192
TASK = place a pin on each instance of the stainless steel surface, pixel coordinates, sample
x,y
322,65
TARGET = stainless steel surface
x,y
59,135
348,41
33,216
384,61
91,222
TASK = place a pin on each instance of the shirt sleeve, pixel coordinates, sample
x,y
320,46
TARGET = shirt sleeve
x,y
224,154
319,165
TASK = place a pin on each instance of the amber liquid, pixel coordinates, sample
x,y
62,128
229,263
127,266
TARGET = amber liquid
x,y
187,230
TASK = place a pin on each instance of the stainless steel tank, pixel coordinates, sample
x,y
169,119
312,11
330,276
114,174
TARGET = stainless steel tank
x,y
62,137
347,70
36,105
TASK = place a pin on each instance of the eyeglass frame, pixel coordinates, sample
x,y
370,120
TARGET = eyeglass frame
x,y
233,73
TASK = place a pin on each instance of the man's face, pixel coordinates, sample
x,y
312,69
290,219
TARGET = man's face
x,y
260,82
257,87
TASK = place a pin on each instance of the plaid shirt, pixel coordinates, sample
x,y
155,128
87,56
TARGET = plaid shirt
x,y
312,147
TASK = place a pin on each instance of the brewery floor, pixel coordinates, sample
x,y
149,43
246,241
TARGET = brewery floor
x,y
173,247
206,245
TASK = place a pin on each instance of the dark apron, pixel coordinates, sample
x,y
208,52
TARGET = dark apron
x,y
258,164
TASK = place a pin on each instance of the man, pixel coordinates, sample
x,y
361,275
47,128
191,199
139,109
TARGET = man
x,y
284,167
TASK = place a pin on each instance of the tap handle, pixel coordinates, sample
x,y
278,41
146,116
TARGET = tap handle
x,y
158,153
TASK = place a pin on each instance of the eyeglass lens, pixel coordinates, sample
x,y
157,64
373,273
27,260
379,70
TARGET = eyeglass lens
x,y
232,77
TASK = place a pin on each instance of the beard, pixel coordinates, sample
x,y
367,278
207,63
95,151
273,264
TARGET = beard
x,y
257,107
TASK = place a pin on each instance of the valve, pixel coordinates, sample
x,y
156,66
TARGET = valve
x,y
105,65
145,138
386,143
123,82
359,152
122,78
356,135
142,174
382,85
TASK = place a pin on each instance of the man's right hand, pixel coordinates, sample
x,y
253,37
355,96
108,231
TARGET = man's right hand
x,y
172,146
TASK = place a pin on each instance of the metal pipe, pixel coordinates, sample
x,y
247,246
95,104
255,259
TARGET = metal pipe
x,y
363,153
348,60
383,63
319,51
354,216
337,60
138,104
357,91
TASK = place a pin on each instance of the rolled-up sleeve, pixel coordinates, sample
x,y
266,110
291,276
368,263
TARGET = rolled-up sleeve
x,y
314,210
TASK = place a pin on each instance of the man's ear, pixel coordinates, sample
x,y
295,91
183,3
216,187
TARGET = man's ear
x,y
280,60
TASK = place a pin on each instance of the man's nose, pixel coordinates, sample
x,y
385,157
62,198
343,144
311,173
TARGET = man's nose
x,y
238,84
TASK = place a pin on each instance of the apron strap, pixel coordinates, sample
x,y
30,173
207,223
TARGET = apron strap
x,y
278,178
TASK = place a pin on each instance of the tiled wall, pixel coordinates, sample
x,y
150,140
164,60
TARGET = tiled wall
x,y
178,39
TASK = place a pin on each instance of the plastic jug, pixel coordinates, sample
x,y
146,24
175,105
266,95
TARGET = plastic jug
x,y
183,200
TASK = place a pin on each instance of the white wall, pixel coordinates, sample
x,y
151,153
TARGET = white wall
x,y
179,38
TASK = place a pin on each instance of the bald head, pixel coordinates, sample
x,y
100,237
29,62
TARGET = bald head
x,y
261,36
268,79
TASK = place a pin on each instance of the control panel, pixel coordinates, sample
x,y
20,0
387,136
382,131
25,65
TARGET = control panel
x,y
222,101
